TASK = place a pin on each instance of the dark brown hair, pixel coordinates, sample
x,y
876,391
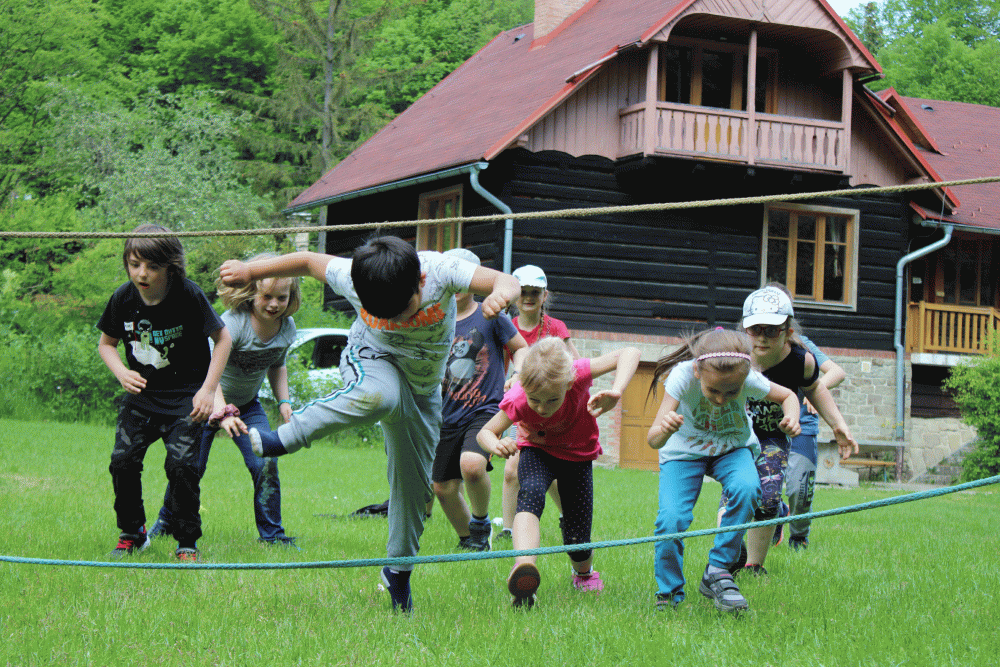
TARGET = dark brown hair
x,y
165,250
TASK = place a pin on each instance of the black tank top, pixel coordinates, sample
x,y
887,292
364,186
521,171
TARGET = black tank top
x,y
789,372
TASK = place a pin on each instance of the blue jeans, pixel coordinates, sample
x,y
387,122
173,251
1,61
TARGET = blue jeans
x,y
263,473
680,485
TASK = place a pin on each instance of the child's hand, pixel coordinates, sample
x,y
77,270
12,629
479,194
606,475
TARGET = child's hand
x,y
286,412
203,405
493,305
603,401
845,443
790,425
234,426
132,382
509,383
233,272
671,423
505,448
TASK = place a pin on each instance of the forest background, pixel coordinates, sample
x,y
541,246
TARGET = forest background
x,y
214,114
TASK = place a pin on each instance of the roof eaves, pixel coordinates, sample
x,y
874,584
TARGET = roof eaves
x,y
392,185
929,218
894,99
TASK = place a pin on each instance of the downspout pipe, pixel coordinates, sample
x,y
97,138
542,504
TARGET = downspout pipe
x,y
897,339
508,225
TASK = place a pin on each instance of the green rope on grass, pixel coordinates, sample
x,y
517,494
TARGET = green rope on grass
x,y
450,558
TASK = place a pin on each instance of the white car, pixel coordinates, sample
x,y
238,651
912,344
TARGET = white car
x,y
313,361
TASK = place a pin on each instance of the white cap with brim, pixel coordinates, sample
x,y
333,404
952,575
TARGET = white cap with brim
x,y
766,306
530,275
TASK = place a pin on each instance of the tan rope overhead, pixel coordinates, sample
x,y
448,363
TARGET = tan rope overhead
x,y
531,215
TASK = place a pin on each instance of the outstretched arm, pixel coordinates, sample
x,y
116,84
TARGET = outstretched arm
x,y
499,290
624,362
822,400
236,273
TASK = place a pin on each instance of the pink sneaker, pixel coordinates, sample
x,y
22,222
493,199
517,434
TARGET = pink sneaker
x,y
588,582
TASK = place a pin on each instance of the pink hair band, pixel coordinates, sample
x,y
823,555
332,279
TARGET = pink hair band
x,y
712,355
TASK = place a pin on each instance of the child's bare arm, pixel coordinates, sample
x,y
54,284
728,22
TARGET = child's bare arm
x,y
499,289
131,381
489,437
518,348
666,423
236,273
624,362
203,402
789,402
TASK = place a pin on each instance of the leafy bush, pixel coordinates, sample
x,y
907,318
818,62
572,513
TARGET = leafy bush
x,y
975,386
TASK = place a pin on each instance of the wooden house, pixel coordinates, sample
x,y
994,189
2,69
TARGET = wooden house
x,y
621,102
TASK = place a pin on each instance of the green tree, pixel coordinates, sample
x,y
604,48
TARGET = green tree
x,y
40,40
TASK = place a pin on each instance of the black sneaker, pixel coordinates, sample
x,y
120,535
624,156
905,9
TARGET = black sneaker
x,y
755,570
281,541
131,543
187,555
480,535
741,560
465,543
398,585
796,543
723,592
522,583
505,535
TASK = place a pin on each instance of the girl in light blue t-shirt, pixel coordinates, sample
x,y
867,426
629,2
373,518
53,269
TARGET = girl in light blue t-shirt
x,y
702,428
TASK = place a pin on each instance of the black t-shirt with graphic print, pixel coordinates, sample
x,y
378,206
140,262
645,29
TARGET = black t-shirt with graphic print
x,y
167,343
789,372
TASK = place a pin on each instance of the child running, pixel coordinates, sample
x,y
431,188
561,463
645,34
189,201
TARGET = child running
x,y
259,319
472,389
557,438
702,428
392,367
171,379
533,323
769,321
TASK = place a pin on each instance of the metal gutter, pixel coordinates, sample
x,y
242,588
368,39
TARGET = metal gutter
x,y
394,185
897,338
508,224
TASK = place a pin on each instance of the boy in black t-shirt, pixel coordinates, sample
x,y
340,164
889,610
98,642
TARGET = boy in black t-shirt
x,y
165,321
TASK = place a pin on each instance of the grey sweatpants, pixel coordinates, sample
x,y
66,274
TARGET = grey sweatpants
x,y
800,479
375,389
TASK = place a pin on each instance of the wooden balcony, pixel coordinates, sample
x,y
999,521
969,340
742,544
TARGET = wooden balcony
x,y
722,134
947,329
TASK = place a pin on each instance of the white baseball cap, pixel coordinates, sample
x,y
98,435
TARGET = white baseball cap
x,y
766,306
464,253
530,275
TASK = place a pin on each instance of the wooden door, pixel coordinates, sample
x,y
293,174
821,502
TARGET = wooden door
x,y
637,416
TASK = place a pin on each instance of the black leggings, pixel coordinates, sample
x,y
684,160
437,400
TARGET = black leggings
x,y
536,470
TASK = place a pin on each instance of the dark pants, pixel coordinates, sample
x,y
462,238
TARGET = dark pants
x,y
136,430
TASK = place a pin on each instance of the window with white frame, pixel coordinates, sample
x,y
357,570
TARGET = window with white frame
x,y
813,250
446,203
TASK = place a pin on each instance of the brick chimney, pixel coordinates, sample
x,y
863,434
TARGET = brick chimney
x,y
550,13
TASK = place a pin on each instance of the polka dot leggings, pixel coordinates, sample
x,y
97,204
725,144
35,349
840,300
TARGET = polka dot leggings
x,y
536,470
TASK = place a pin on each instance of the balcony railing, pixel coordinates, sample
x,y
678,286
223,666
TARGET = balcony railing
x,y
950,329
706,132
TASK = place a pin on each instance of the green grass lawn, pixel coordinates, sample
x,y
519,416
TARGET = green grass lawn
x,y
911,584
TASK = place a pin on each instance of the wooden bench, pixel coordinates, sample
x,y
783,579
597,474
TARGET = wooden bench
x,y
830,469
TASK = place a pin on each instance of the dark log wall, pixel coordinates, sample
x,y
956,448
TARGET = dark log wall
x,y
661,273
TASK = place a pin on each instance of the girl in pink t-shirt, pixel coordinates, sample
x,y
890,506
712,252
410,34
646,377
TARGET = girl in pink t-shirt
x,y
557,439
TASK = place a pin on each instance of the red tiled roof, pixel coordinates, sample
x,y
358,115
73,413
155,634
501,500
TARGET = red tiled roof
x,y
479,109
968,136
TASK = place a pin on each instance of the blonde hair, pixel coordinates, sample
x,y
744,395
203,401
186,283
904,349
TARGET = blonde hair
x,y
720,350
241,298
547,364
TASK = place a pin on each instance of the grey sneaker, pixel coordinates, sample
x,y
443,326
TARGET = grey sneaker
x,y
723,592
159,529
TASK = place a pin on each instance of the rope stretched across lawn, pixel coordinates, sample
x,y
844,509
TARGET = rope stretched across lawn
x,y
484,555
